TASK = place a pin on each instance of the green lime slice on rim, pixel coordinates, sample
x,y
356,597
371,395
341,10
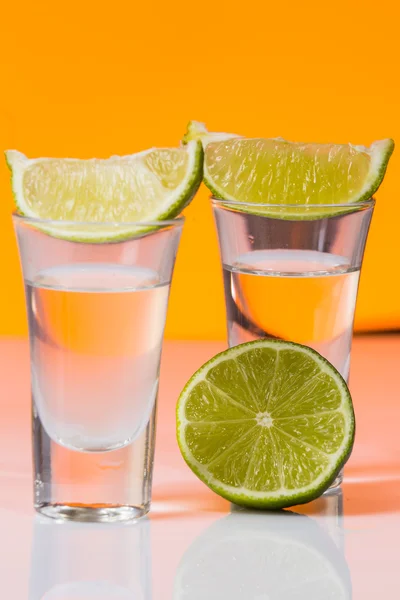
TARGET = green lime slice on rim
x,y
146,187
266,424
302,180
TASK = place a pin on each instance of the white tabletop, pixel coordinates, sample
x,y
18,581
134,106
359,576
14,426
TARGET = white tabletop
x,y
195,545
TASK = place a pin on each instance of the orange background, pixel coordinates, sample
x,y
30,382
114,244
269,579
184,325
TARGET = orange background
x,y
86,79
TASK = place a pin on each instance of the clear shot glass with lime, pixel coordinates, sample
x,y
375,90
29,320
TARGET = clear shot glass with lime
x,y
98,241
292,222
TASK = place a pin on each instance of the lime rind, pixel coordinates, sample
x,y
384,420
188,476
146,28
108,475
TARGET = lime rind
x,y
380,153
174,202
283,497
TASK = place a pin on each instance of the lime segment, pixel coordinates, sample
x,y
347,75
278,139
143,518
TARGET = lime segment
x,y
149,186
277,172
267,424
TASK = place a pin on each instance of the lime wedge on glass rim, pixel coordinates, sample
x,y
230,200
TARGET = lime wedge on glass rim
x,y
266,424
289,176
149,186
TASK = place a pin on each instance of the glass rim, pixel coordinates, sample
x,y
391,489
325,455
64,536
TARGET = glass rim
x,y
236,204
106,224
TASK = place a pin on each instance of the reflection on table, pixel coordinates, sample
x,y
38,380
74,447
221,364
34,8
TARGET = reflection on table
x,y
251,555
73,561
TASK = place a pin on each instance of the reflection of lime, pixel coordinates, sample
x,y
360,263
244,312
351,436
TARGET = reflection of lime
x,y
266,424
149,186
274,171
251,556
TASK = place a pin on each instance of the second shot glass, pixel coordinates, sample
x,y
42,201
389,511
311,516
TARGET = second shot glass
x,y
293,275
293,278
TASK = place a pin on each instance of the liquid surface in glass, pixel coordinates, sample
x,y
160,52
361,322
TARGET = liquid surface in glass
x,y
96,335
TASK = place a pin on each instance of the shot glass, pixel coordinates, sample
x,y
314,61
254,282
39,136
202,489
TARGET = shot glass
x,y
96,314
294,274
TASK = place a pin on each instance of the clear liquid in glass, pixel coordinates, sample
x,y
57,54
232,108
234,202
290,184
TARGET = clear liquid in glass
x,y
96,335
301,296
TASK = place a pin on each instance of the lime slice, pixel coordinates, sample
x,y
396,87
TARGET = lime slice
x,y
249,555
149,186
277,172
266,424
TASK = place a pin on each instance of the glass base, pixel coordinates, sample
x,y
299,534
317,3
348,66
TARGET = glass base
x,y
97,487
92,514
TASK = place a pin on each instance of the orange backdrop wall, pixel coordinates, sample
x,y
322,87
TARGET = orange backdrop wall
x,y
89,79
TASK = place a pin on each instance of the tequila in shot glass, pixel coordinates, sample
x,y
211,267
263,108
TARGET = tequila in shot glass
x,y
96,316
291,279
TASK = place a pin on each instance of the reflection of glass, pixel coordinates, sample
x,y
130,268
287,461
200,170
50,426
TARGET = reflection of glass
x,y
73,561
330,507
263,556
96,316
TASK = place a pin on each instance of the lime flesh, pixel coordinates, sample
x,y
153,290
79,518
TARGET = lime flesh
x,y
266,424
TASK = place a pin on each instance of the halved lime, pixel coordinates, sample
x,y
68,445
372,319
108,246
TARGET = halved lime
x,y
278,172
266,424
149,186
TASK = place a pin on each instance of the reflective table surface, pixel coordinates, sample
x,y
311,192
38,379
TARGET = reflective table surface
x,y
195,545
